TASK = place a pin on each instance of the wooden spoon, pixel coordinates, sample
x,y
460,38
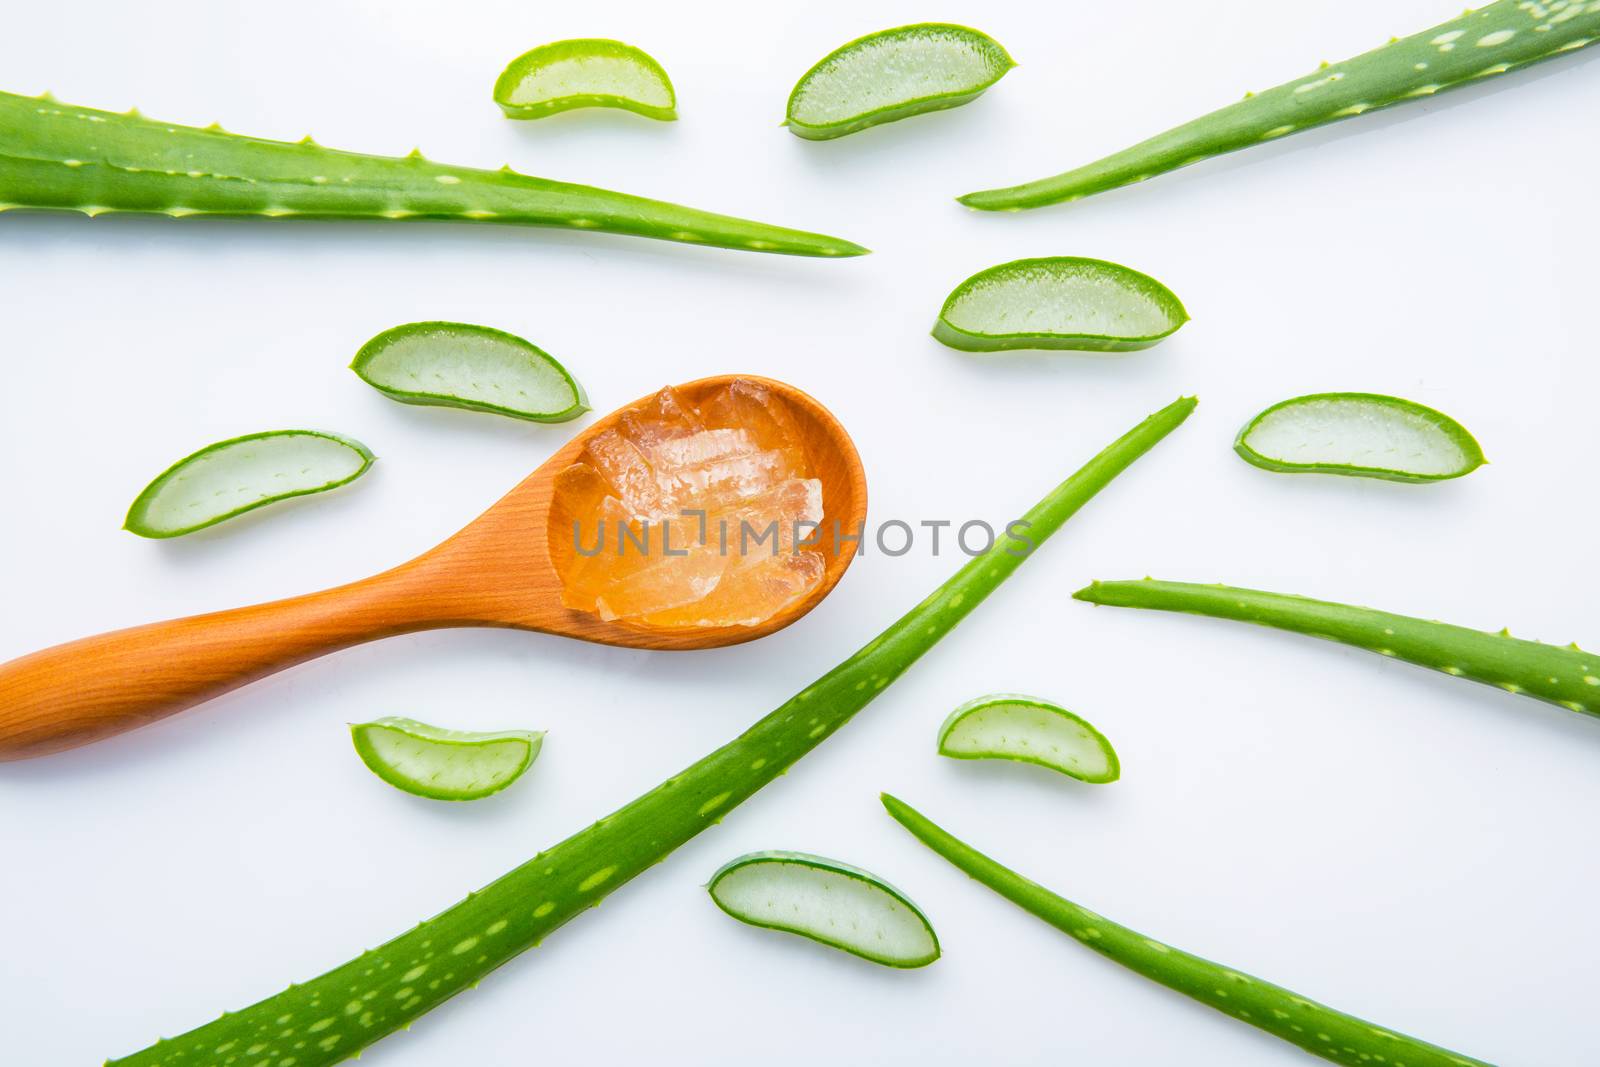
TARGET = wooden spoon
x,y
499,571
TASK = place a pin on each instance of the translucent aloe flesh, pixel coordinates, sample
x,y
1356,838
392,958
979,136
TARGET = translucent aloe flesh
x,y
456,364
59,157
1478,44
1569,676
1316,1028
1029,730
1059,302
335,1016
440,764
894,74
585,72
241,474
829,902
1361,434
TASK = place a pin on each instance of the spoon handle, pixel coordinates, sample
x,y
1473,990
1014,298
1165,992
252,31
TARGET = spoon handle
x,y
100,686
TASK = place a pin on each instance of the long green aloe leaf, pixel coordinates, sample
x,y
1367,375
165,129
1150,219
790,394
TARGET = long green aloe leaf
x,y
1478,44
1566,676
56,156
1316,1028
331,1018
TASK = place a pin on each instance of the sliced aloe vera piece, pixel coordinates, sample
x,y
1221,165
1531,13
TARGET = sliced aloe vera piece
x,y
829,902
1029,730
444,764
1362,434
1059,302
584,72
241,474
454,364
894,74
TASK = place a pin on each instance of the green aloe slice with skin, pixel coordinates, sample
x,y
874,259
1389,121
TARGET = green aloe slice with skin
x,y
585,72
57,157
1011,726
333,1017
829,902
1316,1028
241,474
1566,676
1478,44
1362,434
892,75
456,364
440,764
1059,302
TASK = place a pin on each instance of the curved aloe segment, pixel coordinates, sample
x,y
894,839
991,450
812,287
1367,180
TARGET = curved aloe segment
x,y
1361,434
584,72
336,1015
444,764
1059,302
241,474
1566,676
1316,1028
1029,730
829,902
455,364
894,74
1491,40
59,157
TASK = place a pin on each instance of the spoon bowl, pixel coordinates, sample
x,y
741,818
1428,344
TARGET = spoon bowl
x,y
503,569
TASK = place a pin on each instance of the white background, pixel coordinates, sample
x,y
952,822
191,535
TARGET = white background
x,y
1413,849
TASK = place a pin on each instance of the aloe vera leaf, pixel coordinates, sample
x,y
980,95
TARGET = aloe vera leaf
x,y
58,157
1478,44
892,75
1059,302
1316,1028
585,72
1362,434
1566,676
456,364
1011,726
241,474
338,1014
832,903
444,764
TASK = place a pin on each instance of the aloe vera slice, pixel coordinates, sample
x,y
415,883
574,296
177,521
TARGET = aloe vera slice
x,y
892,75
1316,1028
829,902
444,764
241,474
1366,435
1029,730
1059,302
458,365
584,72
